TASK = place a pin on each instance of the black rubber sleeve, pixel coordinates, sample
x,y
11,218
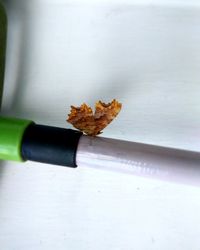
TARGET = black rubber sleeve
x,y
50,145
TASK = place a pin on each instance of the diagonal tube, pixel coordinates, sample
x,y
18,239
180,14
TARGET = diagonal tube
x,y
139,159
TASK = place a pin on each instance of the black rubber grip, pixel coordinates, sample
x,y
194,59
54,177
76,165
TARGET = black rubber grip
x,y
50,145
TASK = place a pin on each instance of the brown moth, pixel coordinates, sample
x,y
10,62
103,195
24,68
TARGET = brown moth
x,y
91,123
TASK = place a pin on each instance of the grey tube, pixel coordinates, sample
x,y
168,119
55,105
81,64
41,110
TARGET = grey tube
x,y
139,159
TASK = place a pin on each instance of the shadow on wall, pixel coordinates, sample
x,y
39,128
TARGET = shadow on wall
x,y
128,46
115,83
3,27
17,52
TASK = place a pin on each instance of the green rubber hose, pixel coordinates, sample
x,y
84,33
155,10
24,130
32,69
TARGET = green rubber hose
x,y
11,135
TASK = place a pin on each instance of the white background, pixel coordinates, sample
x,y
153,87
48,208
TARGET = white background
x,y
147,55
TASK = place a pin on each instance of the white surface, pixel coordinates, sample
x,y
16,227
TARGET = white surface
x,y
146,55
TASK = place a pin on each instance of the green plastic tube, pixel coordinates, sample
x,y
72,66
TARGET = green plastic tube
x,y
11,134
